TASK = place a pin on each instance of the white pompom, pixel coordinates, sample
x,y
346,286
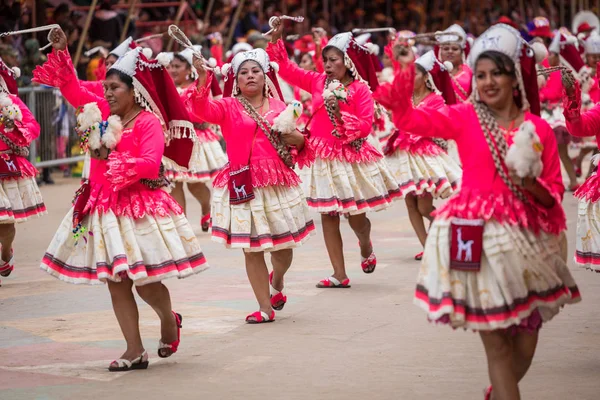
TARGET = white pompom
x,y
572,39
225,69
449,66
16,71
540,51
373,48
212,62
274,66
5,101
163,59
147,52
228,53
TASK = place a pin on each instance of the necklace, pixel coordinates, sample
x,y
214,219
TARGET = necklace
x,y
417,100
131,119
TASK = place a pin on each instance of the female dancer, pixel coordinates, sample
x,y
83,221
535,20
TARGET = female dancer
x,y
455,51
207,156
348,176
124,229
506,273
585,125
421,165
20,197
257,203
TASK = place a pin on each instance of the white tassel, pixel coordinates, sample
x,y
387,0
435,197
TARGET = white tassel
x,y
449,66
540,51
16,71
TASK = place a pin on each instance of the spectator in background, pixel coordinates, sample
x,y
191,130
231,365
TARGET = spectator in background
x,y
31,58
62,16
106,25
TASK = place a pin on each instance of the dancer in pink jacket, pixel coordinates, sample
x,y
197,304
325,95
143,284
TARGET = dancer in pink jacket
x,y
349,176
20,197
257,205
495,256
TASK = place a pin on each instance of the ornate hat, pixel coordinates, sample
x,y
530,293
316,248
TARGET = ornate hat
x,y
362,63
541,27
260,57
438,76
123,48
592,44
155,91
452,38
565,45
508,41
8,79
584,22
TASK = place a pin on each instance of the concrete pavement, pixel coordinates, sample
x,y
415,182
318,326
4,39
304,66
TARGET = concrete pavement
x,y
57,339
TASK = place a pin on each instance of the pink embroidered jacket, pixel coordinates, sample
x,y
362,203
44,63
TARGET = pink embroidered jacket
x,y
239,131
415,143
23,133
115,183
483,193
357,113
464,79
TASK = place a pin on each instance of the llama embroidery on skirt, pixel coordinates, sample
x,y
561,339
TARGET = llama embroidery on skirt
x,y
466,246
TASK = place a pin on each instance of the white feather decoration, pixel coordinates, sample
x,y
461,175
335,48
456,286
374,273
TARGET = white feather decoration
x,y
525,154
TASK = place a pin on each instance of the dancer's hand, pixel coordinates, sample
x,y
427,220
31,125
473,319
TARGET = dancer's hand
x,y
200,67
277,30
403,53
293,138
100,154
58,39
334,105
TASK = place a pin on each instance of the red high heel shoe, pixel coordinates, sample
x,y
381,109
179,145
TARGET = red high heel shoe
x,y
488,393
205,222
168,349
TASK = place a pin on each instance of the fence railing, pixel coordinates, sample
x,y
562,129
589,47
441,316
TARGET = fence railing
x,y
57,144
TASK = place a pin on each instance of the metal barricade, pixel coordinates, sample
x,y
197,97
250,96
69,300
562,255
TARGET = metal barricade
x,y
57,121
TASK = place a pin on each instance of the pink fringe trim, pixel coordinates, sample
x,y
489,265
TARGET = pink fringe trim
x,y
134,201
589,190
350,127
337,150
307,156
504,208
265,172
416,145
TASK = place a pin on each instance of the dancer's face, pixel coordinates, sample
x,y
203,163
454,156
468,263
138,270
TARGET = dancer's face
x,y
452,53
119,96
333,60
420,78
592,60
306,62
495,87
110,60
179,71
250,79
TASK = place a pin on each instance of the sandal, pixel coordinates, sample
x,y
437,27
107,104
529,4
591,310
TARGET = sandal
x,y
125,365
488,393
332,283
7,267
205,222
278,299
419,256
260,317
168,349
368,264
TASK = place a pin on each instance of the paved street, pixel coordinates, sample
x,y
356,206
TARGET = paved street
x,y
368,342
